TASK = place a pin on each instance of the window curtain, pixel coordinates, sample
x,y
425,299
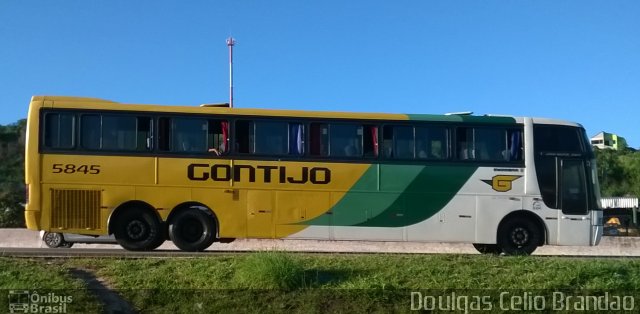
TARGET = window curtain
x,y
225,135
296,146
374,138
515,151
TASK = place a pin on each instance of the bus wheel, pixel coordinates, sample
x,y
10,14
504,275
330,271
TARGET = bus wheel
x,y
138,230
492,249
519,236
193,230
54,240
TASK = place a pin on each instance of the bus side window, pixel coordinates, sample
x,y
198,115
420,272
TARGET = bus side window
x,y
345,140
115,132
465,144
271,137
59,130
431,142
491,144
90,132
189,135
319,139
403,142
387,141
218,137
164,134
244,137
144,134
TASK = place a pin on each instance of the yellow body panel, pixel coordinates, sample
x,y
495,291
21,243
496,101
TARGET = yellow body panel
x,y
244,209
256,205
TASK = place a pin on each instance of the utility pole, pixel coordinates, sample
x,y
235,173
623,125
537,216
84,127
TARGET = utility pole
x,y
230,43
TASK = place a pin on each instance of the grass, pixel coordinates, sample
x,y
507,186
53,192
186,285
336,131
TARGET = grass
x,y
270,270
45,279
303,283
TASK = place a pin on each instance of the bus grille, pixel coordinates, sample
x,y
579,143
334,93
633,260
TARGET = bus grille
x,y
75,209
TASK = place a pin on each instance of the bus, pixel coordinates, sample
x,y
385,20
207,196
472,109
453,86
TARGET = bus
x,y
146,174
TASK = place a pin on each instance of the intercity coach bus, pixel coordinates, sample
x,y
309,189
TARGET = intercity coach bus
x,y
196,175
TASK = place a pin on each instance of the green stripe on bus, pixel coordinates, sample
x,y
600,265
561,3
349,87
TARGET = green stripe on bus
x,y
407,195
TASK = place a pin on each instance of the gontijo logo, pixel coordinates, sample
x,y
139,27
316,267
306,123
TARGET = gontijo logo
x,y
502,182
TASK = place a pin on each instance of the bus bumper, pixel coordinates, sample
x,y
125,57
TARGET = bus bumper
x,y
32,219
597,229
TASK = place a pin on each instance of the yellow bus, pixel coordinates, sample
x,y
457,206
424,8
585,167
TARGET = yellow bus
x,y
196,175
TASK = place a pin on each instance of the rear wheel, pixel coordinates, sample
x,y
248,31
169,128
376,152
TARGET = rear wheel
x,y
519,236
492,249
138,230
193,229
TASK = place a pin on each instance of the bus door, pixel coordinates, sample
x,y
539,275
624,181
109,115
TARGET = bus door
x,y
574,221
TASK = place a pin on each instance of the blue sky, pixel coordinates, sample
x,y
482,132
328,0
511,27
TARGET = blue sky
x,y
573,60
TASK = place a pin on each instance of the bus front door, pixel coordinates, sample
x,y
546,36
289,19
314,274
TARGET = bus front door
x,y
574,221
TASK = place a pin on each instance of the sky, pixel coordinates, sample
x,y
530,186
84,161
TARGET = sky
x,y
564,59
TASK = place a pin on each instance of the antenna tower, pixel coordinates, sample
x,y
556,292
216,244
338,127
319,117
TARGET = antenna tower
x,y
230,43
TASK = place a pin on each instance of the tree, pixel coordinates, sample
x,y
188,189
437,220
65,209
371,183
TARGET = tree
x,y
618,172
12,189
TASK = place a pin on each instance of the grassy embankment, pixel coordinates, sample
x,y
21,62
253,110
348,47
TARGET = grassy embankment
x,y
287,282
51,283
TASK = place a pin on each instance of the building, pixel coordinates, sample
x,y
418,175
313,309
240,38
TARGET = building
x,y
604,140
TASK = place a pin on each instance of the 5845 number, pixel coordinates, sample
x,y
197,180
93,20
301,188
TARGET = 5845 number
x,y
71,168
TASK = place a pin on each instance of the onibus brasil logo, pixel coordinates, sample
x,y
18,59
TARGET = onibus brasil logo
x,y
25,301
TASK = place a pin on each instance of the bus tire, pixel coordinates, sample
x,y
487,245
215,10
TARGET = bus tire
x,y
138,230
519,236
193,230
492,249
54,240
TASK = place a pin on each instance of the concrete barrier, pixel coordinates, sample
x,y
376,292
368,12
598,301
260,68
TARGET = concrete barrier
x,y
609,246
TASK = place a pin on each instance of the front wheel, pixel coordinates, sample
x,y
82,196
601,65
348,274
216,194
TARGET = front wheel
x,y
519,236
193,230
138,230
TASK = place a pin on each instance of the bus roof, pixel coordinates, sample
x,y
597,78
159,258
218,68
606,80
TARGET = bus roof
x,y
101,104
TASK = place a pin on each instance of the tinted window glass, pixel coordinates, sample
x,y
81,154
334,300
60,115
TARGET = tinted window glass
x,y
271,138
91,132
115,132
59,130
189,135
319,139
558,139
431,143
574,190
465,144
398,142
345,140
118,133
489,144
